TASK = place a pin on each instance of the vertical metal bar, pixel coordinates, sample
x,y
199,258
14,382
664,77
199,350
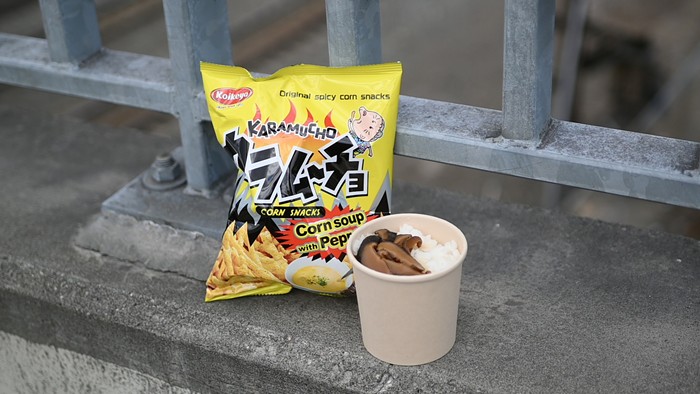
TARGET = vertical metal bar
x,y
197,31
72,30
527,68
354,32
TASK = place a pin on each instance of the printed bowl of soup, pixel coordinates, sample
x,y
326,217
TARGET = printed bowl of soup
x,y
318,275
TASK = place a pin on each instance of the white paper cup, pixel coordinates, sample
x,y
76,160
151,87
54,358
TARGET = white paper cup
x,y
409,320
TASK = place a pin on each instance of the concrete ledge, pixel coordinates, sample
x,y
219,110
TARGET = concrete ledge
x,y
36,364
549,303
583,306
156,246
185,345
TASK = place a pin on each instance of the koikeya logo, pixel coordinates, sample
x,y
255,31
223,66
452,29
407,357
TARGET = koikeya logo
x,y
230,96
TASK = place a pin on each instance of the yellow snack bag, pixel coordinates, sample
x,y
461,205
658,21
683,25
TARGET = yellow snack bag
x,y
314,148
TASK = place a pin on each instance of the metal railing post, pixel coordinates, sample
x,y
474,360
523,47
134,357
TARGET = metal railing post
x,y
72,29
644,166
197,31
527,68
354,32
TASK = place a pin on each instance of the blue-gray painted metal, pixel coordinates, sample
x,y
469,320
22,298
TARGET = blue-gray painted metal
x,y
354,32
527,68
113,76
71,28
631,164
597,158
197,31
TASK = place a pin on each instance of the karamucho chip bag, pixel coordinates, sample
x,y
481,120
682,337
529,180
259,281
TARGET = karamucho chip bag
x,y
314,148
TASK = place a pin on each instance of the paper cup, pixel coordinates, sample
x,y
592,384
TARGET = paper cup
x,y
409,320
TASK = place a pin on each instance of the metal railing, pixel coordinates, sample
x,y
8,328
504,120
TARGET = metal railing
x,y
522,140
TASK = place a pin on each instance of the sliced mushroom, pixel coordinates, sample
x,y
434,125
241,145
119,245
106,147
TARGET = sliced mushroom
x,y
388,252
386,235
368,256
395,253
408,242
414,242
398,268
370,239
401,239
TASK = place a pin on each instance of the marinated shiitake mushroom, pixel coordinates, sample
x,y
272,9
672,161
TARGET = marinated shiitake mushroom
x,y
390,253
367,254
386,235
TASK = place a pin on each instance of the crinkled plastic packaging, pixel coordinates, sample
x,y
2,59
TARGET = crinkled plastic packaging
x,y
314,150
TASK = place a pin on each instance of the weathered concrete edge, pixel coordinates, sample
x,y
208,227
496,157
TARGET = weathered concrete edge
x,y
157,246
178,343
34,370
130,332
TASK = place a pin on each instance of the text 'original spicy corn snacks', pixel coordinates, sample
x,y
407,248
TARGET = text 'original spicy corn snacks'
x,y
314,149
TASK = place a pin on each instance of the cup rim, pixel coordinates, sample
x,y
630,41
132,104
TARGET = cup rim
x,y
401,278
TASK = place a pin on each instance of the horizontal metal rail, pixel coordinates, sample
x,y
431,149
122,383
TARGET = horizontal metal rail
x,y
608,160
523,140
116,77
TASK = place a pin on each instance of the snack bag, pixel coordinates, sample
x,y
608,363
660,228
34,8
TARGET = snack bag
x,y
314,149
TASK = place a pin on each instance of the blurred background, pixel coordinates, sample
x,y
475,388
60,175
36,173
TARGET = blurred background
x,y
632,65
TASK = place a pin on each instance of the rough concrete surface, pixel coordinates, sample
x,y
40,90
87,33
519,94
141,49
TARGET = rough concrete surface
x,y
43,369
158,247
549,303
